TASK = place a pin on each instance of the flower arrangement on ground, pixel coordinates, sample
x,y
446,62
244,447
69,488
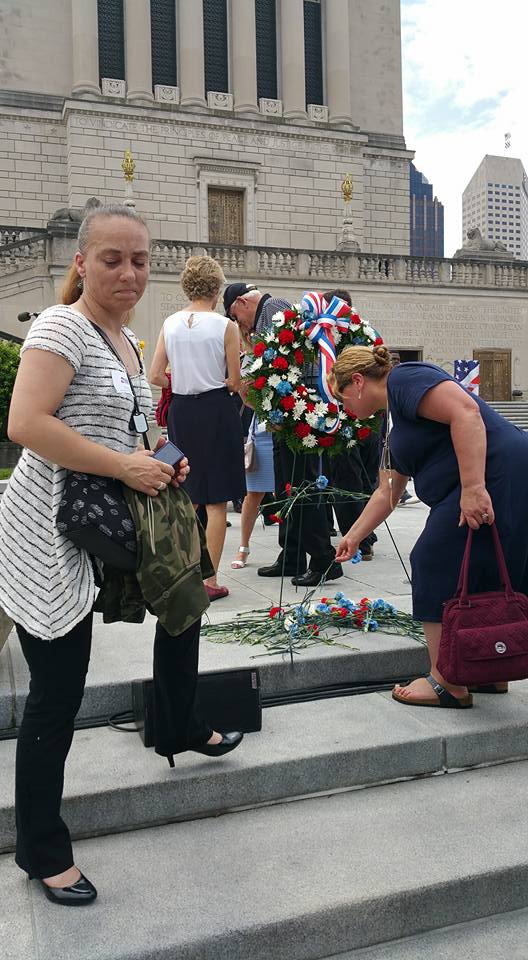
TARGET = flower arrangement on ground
x,y
310,335
290,628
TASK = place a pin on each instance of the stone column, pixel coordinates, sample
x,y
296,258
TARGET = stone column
x,y
138,51
293,87
191,53
338,80
244,56
85,49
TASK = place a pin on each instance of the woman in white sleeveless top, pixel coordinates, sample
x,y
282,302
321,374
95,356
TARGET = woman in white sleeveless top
x,y
202,350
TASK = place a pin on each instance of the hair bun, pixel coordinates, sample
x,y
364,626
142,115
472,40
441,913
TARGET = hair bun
x,y
382,356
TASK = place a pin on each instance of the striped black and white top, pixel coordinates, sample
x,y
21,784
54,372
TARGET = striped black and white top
x,y
46,583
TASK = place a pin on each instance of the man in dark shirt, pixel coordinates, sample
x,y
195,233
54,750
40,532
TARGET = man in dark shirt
x,y
308,528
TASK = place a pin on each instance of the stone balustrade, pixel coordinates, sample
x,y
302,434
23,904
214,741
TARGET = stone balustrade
x,y
273,263
14,234
168,256
22,254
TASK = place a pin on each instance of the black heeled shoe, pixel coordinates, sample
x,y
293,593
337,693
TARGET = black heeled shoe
x,y
228,742
77,895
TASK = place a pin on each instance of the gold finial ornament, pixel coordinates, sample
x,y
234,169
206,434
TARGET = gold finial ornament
x,y
128,166
347,188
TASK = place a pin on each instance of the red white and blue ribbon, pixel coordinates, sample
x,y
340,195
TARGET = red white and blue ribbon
x,y
319,320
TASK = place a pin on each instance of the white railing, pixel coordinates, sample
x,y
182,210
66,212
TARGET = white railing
x,y
14,234
169,256
22,254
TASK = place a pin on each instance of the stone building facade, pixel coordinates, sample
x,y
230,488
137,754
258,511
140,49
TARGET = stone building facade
x,y
212,165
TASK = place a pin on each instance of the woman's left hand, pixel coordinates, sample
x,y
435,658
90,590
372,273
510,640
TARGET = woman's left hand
x,y
476,507
183,466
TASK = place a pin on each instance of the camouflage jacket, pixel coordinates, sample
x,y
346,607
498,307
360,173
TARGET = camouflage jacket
x,y
172,562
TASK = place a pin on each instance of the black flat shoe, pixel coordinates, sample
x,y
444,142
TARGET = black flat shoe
x,y
275,570
312,578
228,742
77,895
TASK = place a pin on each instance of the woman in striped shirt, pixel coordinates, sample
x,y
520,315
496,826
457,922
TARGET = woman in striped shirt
x,y
71,409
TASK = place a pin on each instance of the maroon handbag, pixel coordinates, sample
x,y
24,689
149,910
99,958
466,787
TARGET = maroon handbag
x,y
484,635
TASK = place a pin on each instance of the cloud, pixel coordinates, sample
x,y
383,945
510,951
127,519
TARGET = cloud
x,y
463,65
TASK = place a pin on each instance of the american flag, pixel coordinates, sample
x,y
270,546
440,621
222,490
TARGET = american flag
x,y
467,373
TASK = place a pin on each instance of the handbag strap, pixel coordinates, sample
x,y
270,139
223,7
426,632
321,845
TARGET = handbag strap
x,y
110,345
462,588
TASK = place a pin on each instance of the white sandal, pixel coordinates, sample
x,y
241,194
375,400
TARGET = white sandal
x,y
240,564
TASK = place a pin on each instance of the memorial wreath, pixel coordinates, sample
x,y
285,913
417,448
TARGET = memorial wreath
x,y
312,334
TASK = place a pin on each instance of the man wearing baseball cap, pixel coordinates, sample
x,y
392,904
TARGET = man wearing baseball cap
x,y
253,311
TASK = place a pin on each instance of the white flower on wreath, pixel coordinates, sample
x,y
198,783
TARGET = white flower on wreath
x,y
369,331
330,421
321,409
278,318
342,415
296,344
312,419
299,408
308,343
256,365
337,337
310,441
351,443
294,375
274,380
266,404
297,307
284,350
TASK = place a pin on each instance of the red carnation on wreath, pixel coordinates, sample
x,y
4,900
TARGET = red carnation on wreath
x,y
326,441
299,360
259,348
288,403
290,315
302,430
260,383
363,433
280,363
286,336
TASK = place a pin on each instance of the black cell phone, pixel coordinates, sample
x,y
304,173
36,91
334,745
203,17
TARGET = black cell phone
x,y
169,453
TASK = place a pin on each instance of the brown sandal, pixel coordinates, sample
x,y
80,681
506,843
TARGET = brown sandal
x,y
443,698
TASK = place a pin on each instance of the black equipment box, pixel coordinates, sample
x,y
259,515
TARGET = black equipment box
x,y
229,699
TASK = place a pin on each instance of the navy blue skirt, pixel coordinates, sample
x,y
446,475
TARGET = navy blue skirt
x,y
207,428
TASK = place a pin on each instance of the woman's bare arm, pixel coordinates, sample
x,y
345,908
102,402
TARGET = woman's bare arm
x,y
232,351
448,403
160,362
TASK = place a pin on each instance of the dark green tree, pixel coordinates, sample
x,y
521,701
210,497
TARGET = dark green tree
x,y
9,360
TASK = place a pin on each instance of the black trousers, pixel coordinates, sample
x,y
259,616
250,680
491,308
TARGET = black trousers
x,y
308,531
57,677
357,472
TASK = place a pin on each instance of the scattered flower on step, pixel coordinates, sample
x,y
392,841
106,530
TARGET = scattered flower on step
x,y
322,482
276,518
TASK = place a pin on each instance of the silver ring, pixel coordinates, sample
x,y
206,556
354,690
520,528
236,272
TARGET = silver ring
x,y
485,517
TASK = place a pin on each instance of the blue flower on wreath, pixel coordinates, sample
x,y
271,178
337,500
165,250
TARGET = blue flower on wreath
x,y
283,388
269,354
347,432
361,340
322,482
276,416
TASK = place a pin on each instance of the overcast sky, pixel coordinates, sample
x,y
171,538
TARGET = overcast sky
x,y
465,84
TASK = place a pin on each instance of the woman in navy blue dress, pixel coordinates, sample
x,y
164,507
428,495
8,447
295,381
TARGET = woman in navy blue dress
x,y
469,466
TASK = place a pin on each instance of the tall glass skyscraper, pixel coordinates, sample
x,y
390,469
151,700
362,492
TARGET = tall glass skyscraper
x,y
427,217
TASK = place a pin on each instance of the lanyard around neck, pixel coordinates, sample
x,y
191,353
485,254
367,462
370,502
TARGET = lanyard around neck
x,y
138,419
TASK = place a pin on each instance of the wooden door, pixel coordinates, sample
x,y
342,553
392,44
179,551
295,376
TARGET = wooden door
x,y
495,373
226,215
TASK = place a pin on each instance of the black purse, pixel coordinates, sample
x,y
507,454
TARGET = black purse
x,y
93,512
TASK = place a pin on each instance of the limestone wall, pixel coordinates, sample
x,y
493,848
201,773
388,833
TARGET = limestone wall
x,y
36,39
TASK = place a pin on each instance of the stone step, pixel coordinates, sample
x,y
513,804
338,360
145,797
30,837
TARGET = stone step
x,y
122,652
500,937
295,881
113,783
